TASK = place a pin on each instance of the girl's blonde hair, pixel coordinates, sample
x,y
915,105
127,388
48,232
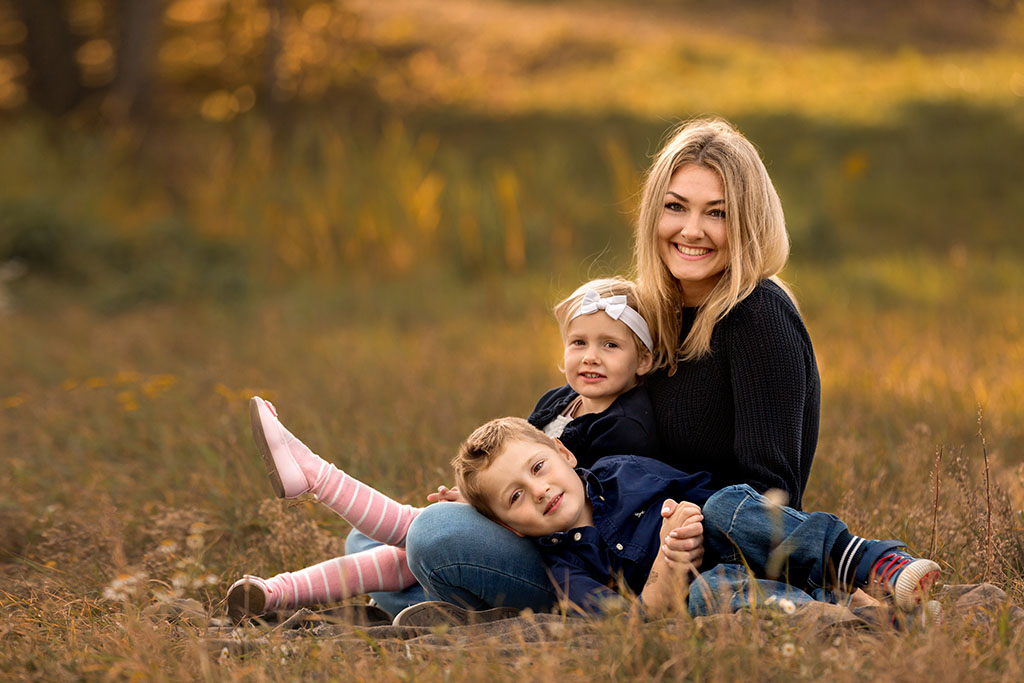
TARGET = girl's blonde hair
x,y
607,286
755,228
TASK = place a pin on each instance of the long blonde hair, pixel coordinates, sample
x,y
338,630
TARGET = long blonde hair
x,y
755,227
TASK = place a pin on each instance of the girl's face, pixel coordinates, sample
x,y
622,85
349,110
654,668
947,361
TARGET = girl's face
x,y
601,359
692,237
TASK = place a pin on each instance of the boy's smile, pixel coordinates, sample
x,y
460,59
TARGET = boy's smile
x,y
534,490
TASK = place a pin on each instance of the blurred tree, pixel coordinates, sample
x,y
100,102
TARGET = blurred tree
x,y
138,33
55,84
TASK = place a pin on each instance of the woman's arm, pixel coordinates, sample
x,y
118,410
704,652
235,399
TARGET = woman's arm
x,y
776,395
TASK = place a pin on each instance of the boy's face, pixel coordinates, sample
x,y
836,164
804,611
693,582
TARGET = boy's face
x,y
533,489
601,359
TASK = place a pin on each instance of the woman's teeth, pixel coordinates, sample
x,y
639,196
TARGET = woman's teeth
x,y
691,251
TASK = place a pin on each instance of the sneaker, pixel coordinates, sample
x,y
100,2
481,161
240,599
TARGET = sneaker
x,y
905,578
247,597
436,613
272,440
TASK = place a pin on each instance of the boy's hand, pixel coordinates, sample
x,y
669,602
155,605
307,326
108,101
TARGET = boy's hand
x,y
682,534
682,546
445,494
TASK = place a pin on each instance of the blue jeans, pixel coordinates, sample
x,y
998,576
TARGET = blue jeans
x,y
460,556
786,551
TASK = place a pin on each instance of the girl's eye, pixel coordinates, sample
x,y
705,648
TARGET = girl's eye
x,y
515,497
537,467
611,345
577,342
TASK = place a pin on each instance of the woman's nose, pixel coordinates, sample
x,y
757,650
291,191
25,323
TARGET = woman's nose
x,y
691,229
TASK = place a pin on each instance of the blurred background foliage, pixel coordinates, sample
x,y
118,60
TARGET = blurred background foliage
x,y
165,148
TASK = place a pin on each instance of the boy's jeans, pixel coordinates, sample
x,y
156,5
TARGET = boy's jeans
x,y
787,550
462,557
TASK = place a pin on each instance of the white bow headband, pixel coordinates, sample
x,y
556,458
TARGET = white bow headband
x,y
617,309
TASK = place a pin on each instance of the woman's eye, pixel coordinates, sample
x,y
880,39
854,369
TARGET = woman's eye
x,y
716,213
673,206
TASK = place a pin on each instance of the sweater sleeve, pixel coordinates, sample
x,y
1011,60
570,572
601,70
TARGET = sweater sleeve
x,y
770,364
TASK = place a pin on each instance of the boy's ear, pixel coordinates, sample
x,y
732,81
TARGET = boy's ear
x,y
645,364
566,453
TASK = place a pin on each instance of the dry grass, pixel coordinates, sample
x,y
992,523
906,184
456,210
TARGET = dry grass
x,y
132,479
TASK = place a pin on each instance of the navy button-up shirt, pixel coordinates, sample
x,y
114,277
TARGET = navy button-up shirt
x,y
627,492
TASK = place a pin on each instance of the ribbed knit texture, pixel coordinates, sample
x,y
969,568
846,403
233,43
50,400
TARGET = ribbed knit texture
x,y
748,413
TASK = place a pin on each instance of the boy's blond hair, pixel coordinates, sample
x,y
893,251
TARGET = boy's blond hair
x,y
480,449
606,287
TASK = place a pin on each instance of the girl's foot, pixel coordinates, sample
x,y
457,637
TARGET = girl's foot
x,y
249,597
279,449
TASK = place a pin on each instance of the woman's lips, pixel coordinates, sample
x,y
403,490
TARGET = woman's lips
x,y
691,252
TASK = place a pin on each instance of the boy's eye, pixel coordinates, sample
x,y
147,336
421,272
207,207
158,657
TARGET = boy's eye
x,y
537,467
577,342
515,496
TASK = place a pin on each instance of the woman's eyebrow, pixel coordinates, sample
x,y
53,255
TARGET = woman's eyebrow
x,y
684,199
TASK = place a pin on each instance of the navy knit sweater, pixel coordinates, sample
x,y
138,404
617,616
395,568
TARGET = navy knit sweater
x,y
748,413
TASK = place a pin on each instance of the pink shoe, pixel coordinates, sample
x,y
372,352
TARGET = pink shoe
x,y
272,440
248,597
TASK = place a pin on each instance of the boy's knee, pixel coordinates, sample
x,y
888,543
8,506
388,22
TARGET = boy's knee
x,y
723,503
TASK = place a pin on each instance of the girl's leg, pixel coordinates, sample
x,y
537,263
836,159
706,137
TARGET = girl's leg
x,y
460,556
294,469
381,568
391,602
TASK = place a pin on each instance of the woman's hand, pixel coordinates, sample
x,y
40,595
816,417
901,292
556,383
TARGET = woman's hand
x,y
445,494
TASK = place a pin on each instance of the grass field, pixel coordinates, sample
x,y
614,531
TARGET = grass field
x,y
384,272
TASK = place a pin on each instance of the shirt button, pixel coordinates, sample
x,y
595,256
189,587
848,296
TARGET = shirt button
x,y
554,540
618,546
578,536
600,497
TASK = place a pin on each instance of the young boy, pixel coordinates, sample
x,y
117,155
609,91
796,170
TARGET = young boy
x,y
611,527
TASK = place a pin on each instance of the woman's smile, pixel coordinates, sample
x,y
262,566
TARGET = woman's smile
x,y
693,231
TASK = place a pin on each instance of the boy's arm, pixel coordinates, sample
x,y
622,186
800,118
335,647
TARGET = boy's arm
x,y
582,590
669,578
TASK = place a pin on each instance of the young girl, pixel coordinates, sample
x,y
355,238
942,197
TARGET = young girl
x,y
601,411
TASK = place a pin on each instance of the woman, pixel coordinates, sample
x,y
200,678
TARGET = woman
x,y
737,391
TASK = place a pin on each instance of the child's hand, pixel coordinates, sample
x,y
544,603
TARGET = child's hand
x,y
445,494
682,534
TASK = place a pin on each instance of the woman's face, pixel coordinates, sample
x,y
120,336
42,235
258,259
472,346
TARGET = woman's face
x,y
692,239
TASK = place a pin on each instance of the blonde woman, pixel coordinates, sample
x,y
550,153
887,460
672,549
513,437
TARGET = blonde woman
x,y
736,388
